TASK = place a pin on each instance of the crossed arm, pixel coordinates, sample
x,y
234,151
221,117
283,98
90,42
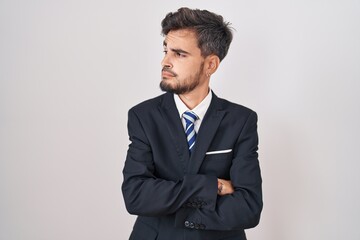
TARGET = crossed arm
x,y
229,204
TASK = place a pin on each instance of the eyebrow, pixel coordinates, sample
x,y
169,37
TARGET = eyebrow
x,y
177,50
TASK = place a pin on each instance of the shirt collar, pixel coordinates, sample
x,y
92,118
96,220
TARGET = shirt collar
x,y
199,110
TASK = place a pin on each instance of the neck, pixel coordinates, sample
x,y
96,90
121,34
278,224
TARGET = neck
x,y
193,98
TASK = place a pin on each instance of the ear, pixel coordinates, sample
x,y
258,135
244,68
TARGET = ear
x,y
212,63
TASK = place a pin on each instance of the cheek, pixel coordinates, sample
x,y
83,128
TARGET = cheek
x,y
185,69
189,68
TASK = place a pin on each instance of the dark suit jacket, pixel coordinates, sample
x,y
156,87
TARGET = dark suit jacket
x,y
175,194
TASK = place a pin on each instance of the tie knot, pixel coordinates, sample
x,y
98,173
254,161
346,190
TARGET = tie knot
x,y
190,116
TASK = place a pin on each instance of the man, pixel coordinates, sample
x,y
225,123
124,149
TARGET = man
x,y
192,168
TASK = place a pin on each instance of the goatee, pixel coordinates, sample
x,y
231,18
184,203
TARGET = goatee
x,y
174,85
178,88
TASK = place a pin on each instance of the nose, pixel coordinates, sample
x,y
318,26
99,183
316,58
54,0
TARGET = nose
x,y
166,63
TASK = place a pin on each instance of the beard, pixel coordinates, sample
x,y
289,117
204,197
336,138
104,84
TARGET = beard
x,y
181,86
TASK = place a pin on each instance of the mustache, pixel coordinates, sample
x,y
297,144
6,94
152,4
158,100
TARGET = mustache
x,y
169,71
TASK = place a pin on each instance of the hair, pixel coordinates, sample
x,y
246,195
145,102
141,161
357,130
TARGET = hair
x,y
214,35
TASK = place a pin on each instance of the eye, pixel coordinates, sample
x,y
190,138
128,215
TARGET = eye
x,y
178,54
165,52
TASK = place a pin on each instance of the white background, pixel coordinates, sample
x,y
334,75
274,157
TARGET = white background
x,y
70,70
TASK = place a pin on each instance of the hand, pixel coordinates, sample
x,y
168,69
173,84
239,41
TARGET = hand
x,y
224,187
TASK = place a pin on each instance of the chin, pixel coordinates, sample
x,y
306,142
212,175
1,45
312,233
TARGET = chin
x,y
166,86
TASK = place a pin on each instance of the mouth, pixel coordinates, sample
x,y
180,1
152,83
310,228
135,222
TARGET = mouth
x,y
167,74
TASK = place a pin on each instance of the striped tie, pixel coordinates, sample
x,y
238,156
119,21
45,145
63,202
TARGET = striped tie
x,y
190,117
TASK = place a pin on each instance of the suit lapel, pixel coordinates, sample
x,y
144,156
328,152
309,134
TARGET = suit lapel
x,y
174,126
206,133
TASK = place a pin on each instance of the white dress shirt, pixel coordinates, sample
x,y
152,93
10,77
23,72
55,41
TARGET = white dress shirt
x,y
199,110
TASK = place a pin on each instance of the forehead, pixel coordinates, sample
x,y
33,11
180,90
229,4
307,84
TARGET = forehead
x,y
182,38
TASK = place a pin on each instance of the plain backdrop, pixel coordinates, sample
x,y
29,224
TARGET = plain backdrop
x,y
70,70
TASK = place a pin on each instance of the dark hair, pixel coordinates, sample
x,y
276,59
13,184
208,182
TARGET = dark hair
x,y
213,33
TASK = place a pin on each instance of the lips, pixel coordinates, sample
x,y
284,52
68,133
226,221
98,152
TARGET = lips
x,y
167,74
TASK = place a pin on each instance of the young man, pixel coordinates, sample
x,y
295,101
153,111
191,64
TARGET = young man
x,y
192,168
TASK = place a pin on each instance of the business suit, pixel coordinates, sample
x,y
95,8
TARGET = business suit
x,y
175,192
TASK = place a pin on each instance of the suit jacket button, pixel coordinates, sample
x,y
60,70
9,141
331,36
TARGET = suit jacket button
x,y
197,226
202,226
187,223
192,225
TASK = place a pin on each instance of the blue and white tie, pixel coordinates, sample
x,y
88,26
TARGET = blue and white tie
x,y
190,117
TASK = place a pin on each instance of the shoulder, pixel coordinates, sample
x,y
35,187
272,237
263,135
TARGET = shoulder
x,y
237,114
148,105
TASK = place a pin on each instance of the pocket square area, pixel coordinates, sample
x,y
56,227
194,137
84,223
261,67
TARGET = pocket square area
x,y
219,151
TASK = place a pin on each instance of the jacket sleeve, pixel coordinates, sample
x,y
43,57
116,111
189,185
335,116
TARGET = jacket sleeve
x,y
147,195
240,210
